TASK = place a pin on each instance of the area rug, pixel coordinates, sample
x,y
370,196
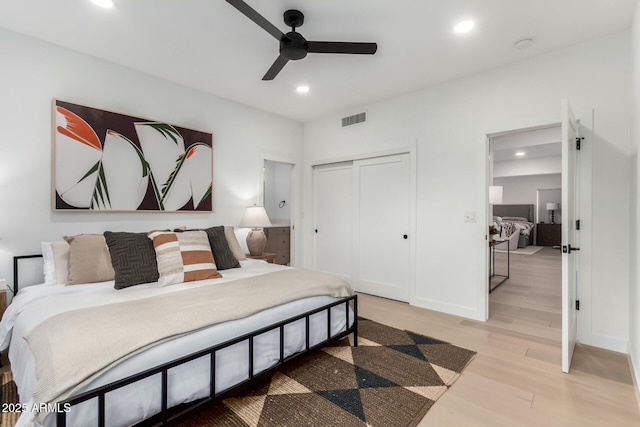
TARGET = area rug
x,y
8,394
391,379
529,250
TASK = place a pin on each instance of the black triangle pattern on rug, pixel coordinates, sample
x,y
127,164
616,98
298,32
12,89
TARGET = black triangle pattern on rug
x,y
368,379
349,400
409,350
422,339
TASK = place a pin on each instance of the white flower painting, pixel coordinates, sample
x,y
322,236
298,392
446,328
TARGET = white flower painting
x,y
107,161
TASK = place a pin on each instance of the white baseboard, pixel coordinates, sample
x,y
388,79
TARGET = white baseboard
x,y
609,343
635,373
456,310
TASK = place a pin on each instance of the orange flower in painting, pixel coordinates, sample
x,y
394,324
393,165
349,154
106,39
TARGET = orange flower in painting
x,y
77,129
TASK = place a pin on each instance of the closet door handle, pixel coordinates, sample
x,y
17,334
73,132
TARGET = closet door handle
x,y
405,237
316,230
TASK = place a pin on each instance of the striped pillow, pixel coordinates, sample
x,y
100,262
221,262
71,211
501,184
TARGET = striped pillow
x,y
183,257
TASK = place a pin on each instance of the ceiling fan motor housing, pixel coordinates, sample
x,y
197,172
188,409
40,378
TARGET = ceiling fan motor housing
x,y
293,46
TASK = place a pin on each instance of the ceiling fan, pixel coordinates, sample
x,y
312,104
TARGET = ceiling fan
x,y
292,45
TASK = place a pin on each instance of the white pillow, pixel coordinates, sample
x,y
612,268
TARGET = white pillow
x,y
241,236
56,262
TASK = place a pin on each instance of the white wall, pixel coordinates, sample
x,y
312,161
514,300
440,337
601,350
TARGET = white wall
x,y
634,260
524,190
451,123
33,72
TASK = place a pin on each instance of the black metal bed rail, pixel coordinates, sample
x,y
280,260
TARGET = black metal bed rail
x,y
165,418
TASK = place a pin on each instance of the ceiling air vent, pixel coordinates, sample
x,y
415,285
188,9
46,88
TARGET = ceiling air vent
x,y
354,120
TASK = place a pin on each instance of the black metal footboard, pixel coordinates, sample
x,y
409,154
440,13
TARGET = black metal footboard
x,y
168,416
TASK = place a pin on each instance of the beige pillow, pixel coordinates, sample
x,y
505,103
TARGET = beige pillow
x,y
233,243
89,259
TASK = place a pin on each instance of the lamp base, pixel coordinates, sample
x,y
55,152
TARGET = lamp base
x,y
256,241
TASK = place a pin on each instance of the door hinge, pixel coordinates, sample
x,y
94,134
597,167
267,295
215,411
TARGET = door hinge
x,y
578,140
577,304
577,224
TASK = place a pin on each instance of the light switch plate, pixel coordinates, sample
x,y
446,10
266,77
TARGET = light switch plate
x,y
470,217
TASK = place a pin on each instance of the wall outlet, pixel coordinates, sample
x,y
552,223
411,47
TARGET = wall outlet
x,y
469,217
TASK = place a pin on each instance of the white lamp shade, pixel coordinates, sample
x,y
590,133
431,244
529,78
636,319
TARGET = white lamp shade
x,y
552,206
495,194
255,217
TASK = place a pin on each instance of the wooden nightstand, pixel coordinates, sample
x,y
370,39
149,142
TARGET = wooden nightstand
x,y
548,234
278,243
270,258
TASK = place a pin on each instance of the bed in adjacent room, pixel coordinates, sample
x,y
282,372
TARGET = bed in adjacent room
x,y
67,341
516,219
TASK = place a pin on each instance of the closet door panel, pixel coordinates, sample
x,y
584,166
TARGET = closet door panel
x,y
333,213
381,226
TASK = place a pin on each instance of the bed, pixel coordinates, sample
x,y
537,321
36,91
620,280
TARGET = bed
x,y
184,370
521,217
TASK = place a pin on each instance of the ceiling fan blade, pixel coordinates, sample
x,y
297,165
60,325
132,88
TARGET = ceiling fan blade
x,y
342,47
275,68
250,13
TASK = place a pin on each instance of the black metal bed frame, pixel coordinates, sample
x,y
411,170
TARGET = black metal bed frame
x,y
165,416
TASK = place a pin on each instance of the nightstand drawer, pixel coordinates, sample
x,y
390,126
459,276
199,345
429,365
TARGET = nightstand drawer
x,y
278,242
282,256
278,231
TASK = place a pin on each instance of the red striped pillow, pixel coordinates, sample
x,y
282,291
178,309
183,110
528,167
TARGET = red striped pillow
x,y
183,257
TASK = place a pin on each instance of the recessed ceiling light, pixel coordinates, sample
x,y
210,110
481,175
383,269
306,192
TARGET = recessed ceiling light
x,y
520,153
302,89
463,26
103,3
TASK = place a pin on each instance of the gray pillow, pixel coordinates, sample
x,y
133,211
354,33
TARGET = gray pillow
x,y
220,247
133,258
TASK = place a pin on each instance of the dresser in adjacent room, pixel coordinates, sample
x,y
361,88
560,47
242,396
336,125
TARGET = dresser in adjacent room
x,y
278,242
548,234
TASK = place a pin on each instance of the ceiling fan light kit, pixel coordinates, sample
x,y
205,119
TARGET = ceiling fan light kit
x,y
293,46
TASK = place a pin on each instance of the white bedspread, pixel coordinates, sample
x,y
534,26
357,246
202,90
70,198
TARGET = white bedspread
x,y
188,382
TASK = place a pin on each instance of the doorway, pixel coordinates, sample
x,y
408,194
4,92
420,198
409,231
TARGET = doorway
x,y
278,201
527,165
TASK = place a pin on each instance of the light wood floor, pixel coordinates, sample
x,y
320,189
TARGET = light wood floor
x,y
516,379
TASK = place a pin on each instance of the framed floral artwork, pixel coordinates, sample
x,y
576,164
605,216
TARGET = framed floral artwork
x,y
106,161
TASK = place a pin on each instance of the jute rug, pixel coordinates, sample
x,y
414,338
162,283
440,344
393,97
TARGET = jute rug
x,y
529,250
8,394
391,379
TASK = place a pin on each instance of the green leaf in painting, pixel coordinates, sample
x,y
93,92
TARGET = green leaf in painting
x,y
206,194
172,177
91,171
100,191
166,130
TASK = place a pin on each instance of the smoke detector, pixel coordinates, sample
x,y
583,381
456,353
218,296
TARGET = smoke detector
x,y
523,44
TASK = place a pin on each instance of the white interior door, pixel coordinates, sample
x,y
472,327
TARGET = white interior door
x,y
333,213
381,226
569,242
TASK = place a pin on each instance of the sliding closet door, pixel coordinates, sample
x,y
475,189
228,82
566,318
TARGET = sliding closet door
x,y
333,213
381,226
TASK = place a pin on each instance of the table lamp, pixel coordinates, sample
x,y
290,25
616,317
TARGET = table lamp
x,y
255,217
552,206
